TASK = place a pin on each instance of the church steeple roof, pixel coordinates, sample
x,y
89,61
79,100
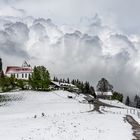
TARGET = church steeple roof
x,y
25,64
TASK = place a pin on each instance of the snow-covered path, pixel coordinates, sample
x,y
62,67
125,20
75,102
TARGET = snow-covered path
x,y
65,119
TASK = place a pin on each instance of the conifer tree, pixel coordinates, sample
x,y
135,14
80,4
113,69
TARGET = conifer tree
x,y
117,96
137,101
92,91
86,87
54,79
68,81
127,102
40,78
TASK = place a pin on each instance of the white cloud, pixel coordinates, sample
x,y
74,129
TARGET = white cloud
x,y
94,48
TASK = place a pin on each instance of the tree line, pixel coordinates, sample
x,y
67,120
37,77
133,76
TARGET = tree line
x,y
85,87
133,102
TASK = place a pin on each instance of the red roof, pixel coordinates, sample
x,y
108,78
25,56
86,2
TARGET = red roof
x,y
15,69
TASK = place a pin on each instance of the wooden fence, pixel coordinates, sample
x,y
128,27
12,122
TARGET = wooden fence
x,y
125,111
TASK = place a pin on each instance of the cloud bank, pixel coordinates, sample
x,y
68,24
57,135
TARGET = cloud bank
x,y
89,50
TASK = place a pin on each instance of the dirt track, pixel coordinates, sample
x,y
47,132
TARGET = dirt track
x,y
135,126
97,104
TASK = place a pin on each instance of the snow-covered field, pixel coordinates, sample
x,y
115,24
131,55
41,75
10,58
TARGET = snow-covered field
x,y
123,109
65,119
114,103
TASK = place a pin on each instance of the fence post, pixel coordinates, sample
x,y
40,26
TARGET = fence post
x,y
138,114
134,111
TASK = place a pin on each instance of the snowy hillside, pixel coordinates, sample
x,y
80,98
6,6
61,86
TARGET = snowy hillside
x,y
54,116
114,103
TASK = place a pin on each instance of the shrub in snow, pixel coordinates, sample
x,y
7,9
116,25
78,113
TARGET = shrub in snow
x,y
43,114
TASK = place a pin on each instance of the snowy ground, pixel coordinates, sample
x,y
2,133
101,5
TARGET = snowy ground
x,y
65,119
114,103
123,110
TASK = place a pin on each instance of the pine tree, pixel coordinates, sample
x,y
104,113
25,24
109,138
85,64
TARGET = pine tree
x,y
54,79
63,80
57,79
136,99
117,96
40,78
60,80
138,103
127,102
68,81
73,82
92,91
86,88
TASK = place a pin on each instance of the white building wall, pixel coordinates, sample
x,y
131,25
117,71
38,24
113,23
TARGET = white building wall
x,y
24,76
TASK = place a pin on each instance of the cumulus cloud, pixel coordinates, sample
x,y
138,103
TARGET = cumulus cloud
x,y
13,38
89,51
70,11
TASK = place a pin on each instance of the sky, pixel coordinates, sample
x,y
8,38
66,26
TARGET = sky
x,y
84,39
